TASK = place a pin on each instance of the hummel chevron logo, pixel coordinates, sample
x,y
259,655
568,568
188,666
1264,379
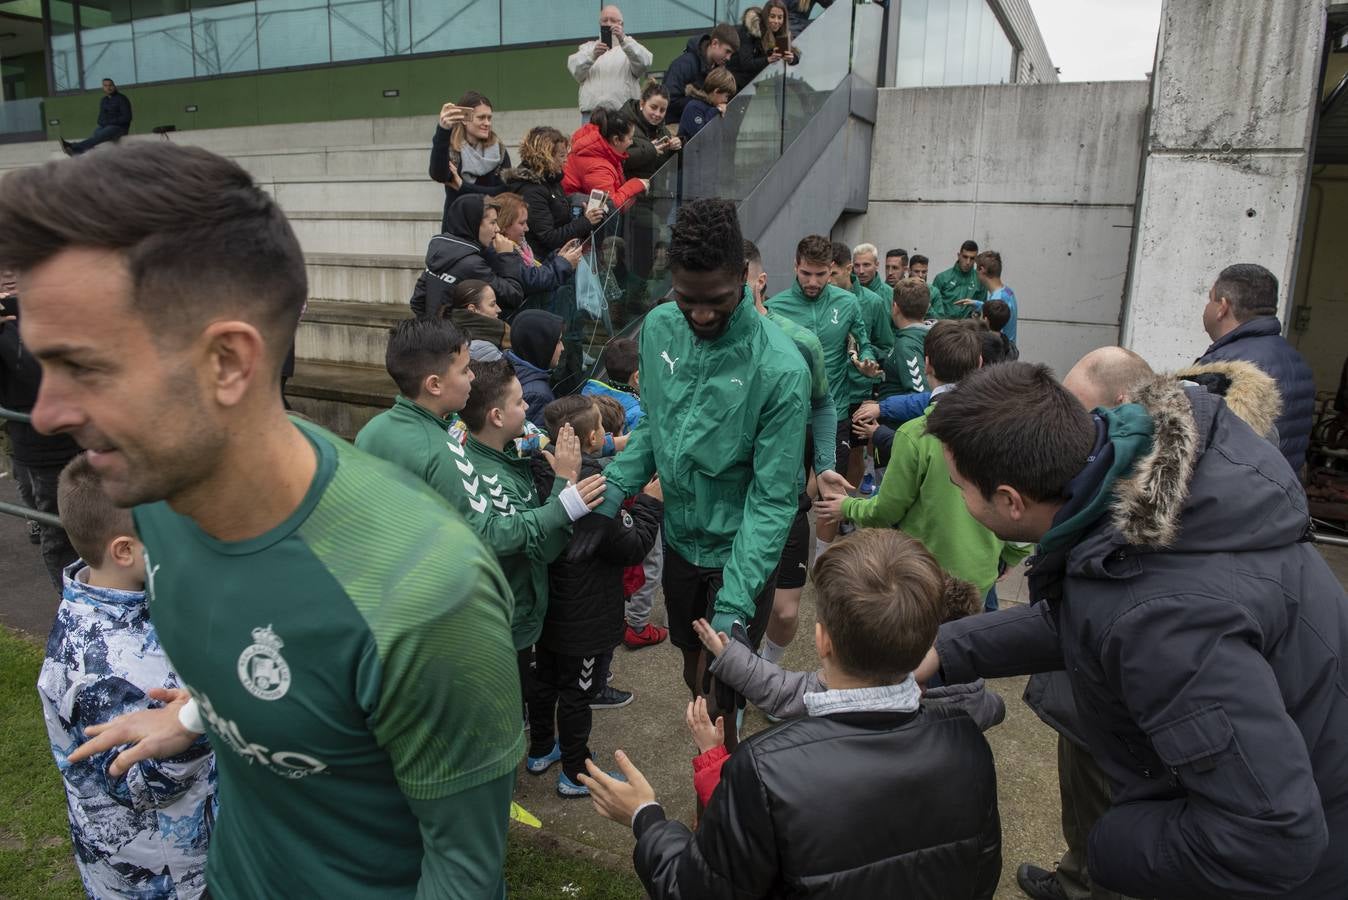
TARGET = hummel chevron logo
x,y
453,445
664,354
491,479
464,466
496,491
471,487
586,674
479,504
500,502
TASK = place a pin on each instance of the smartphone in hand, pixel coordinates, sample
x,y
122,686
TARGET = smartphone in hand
x,y
606,35
597,200
783,44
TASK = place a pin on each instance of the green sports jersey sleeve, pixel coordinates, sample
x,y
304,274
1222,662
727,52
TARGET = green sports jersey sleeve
x,y
457,838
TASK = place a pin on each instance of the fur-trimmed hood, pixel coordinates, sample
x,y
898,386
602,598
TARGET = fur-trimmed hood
x,y
1251,393
526,174
752,20
1208,484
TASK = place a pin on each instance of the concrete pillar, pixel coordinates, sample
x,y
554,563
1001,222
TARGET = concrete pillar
x,y
1226,161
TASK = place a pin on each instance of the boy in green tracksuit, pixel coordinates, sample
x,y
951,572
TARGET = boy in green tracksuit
x,y
906,363
917,496
487,483
959,282
726,396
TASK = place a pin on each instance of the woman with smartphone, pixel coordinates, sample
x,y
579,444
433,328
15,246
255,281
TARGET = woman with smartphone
x,y
652,144
538,179
467,157
765,39
598,151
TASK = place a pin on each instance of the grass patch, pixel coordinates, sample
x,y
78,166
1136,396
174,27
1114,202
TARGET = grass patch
x,y
35,855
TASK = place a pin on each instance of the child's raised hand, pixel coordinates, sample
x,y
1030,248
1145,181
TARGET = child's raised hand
x,y
705,734
715,643
565,459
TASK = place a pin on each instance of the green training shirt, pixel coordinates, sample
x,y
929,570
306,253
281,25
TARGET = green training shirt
x,y
952,285
356,675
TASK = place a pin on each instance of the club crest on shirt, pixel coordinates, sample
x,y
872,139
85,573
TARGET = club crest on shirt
x,y
262,671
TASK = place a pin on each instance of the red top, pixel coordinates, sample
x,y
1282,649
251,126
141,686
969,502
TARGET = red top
x,y
707,772
594,163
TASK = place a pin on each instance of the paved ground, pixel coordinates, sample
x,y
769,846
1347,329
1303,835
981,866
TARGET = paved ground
x,y
652,732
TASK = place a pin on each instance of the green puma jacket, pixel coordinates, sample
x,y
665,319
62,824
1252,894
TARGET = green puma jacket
x,y
832,316
880,327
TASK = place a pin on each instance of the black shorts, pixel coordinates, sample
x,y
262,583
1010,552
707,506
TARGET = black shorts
x,y
794,568
690,592
843,450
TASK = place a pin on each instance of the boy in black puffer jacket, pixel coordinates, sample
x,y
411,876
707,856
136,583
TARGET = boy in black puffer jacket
x,y
871,794
585,614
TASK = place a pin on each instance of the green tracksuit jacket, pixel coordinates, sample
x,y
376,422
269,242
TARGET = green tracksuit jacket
x,y
725,428
952,285
878,286
906,365
493,490
831,316
880,327
917,497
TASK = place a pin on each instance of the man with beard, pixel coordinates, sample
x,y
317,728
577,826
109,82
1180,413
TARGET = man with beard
x,y
343,637
726,396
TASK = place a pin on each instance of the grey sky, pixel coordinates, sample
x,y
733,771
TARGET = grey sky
x,y
1099,40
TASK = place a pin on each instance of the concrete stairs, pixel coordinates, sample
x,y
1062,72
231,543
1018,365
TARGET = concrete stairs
x,y
359,197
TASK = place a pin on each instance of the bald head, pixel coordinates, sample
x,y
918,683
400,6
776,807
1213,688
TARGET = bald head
x,y
610,15
1104,377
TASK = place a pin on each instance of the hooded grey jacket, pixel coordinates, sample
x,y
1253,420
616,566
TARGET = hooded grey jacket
x,y
1204,639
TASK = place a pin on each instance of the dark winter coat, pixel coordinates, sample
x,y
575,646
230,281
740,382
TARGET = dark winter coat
x,y
854,805
550,221
533,338
690,68
443,153
1260,341
115,110
1203,637
698,114
546,274
457,256
797,20
752,57
585,599
642,158
20,377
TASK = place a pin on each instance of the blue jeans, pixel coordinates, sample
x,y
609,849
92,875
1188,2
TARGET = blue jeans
x,y
990,601
102,134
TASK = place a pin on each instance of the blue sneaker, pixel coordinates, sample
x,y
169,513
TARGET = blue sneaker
x,y
537,765
570,789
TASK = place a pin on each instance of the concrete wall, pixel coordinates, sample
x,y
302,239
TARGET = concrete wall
x,y
1318,319
1045,174
1226,160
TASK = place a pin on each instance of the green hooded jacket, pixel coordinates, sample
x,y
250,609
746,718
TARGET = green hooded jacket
x,y
906,365
880,326
492,489
878,285
831,317
822,418
725,428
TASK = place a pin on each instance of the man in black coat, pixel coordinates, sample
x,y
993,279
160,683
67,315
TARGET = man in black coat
x,y
702,54
1202,635
35,459
114,121
1241,317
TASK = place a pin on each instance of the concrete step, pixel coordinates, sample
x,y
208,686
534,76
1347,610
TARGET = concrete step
x,y
357,278
347,333
341,398
379,233
342,193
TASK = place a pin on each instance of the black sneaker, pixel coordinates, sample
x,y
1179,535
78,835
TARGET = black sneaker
x,y
34,533
66,148
610,698
1041,884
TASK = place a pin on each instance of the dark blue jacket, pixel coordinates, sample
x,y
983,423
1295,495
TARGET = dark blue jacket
x,y
115,109
1207,674
536,384
689,69
697,114
1260,341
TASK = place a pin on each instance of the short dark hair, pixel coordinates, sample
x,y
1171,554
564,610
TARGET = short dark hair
x,y
902,254
706,238
419,348
611,413
919,259
814,248
612,123
1251,290
726,34
969,245
751,253
1014,424
996,347
575,410
842,254
880,597
997,313
90,519
466,293
490,382
199,238
620,359
991,262
912,298
954,349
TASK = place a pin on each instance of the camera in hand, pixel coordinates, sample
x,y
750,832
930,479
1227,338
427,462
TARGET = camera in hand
x,y
606,35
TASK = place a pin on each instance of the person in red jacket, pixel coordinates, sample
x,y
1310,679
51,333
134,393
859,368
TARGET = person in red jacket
x,y
598,151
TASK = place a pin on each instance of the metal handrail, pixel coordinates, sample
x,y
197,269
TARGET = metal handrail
x,y
14,416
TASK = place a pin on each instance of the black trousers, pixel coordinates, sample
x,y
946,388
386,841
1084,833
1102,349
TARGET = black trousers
x,y
563,687
37,488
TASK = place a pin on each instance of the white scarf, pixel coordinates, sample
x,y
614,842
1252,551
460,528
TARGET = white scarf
x,y
903,697
476,163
